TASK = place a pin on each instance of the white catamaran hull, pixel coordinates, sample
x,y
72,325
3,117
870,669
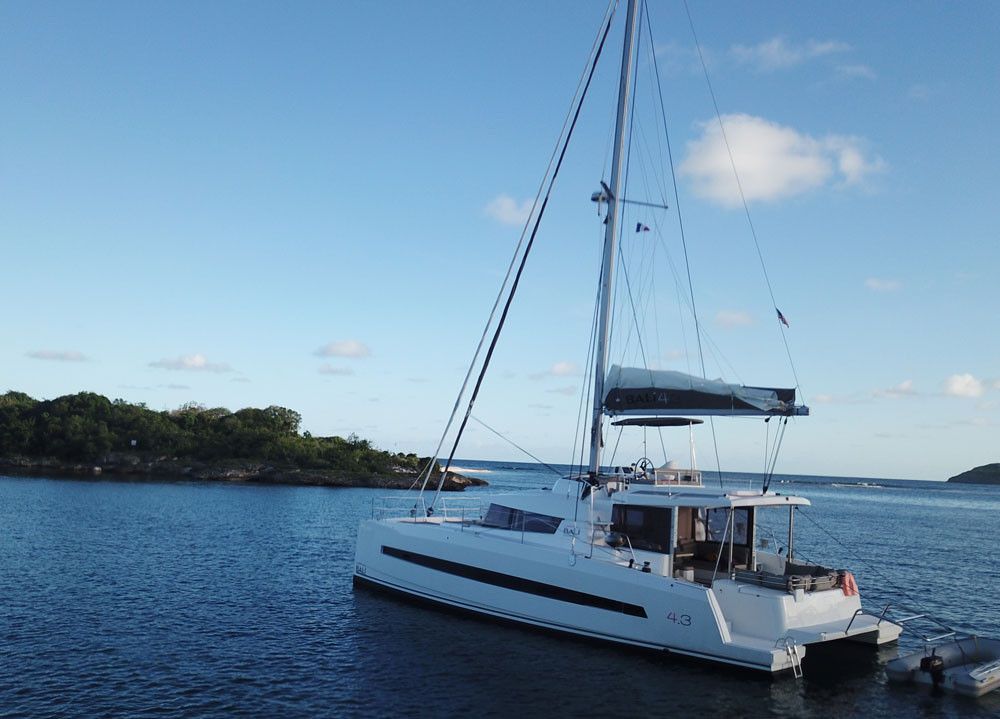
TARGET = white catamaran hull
x,y
551,587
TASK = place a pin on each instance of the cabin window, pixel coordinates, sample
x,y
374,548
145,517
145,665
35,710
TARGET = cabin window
x,y
646,527
717,520
518,520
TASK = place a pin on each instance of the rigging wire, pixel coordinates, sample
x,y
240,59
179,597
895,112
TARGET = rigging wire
x,y
633,122
680,223
614,452
425,473
625,194
516,445
870,566
524,259
743,199
635,316
585,393
767,437
779,436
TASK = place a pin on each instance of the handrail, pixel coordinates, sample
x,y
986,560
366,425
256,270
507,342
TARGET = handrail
x,y
451,509
452,506
940,637
882,615
903,621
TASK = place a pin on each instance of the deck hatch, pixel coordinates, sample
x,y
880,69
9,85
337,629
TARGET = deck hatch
x,y
517,584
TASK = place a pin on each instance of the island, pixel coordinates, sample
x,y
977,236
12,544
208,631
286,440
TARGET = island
x,y
86,433
986,474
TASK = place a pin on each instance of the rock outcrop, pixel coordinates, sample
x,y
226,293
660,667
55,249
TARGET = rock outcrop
x,y
986,474
129,465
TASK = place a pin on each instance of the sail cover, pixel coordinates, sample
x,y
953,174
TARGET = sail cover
x,y
634,390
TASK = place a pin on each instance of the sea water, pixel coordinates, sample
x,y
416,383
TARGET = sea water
x,y
151,598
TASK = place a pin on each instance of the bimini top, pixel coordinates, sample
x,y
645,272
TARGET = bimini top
x,y
635,390
657,422
690,497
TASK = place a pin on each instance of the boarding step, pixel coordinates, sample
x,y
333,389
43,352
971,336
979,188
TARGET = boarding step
x,y
792,650
861,627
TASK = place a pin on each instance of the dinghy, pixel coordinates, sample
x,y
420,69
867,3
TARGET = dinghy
x,y
968,666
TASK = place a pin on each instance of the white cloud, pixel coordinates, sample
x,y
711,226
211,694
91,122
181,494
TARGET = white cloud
x,y
175,386
192,363
996,384
338,371
859,72
919,92
877,284
903,389
674,354
344,348
778,53
823,398
505,209
559,369
733,318
674,58
773,161
58,355
564,369
854,167
569,391
963,385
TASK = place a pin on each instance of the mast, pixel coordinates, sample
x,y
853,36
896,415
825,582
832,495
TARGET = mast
x,y
611,236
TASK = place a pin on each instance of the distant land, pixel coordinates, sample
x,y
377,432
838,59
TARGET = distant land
x,y
986,474
87,433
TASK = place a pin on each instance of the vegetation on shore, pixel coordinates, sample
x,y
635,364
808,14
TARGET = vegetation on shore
x,y
985,474
91,430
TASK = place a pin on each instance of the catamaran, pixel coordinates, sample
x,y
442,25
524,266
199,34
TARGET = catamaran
x,y
640,555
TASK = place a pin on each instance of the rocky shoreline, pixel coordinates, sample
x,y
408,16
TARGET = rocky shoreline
x,y
133,467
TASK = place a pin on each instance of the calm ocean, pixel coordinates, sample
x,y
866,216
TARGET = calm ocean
x,y
206,599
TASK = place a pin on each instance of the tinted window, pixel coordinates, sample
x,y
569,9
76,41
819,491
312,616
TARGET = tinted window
x,y
717,520
646,527
509,518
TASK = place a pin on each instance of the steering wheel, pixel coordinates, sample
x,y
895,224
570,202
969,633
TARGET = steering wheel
x,y
645,467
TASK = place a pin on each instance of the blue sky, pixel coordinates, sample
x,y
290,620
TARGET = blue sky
x,y
243,204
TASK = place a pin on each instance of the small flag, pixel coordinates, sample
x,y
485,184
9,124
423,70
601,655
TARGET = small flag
x,y
781,317
639,227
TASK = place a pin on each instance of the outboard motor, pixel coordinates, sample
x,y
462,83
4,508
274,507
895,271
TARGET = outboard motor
x,y
933,665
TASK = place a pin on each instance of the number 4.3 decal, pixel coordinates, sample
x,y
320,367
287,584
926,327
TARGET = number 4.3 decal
x,y
683,619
